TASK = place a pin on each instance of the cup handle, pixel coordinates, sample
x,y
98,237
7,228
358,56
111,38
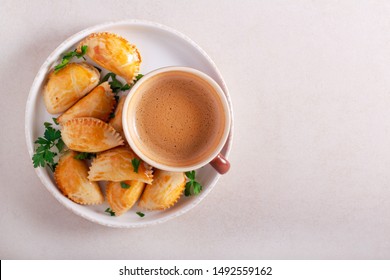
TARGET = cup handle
x,y
221,164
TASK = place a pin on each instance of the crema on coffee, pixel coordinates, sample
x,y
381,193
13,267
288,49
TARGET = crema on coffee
x,y
179,119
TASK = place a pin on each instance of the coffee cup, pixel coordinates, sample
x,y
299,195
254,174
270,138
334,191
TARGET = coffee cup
x,y
177,119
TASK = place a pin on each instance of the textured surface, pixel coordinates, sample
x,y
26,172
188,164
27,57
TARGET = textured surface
x,y
310,160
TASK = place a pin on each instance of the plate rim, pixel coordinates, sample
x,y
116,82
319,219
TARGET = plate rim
x,y
38,80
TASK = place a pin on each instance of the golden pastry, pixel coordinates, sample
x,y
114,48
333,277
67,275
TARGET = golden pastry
x,y
71,178
164,192
89,135
114,53
65,87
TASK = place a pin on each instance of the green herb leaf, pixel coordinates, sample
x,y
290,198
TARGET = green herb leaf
x,y
135,162
115,84
197,188
192,186
42,148
68,56
55,121
42,141
138,77
190,175
38,160
140,214
49,156
125,87
107,76
109,211
83,52
124,185
52,134
85,155
187,191
44,155
60,145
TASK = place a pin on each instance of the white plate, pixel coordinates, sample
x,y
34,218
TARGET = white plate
x,y
159,46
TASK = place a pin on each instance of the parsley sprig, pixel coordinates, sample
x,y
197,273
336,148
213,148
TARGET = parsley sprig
x,y
44,154
68,56
192,186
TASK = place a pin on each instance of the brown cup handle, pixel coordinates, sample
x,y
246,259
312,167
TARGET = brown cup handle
x,y
221,164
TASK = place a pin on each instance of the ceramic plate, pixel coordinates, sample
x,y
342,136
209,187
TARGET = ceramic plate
x,y
159,46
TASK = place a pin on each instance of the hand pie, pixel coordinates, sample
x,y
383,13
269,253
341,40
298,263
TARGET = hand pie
x,y
89,135
116,165
99,103
164,192
65,87
71,178
121,199
114,53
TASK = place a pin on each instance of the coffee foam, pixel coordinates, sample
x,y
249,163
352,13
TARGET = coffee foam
x,y
179,119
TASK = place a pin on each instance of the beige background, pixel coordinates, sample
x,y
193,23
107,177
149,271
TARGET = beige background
x,y
310,84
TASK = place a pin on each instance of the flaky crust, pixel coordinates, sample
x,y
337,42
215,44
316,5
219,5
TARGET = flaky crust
x,y
164,192
116,165
114,53
121,200
71,178
99,103
89,135
68,85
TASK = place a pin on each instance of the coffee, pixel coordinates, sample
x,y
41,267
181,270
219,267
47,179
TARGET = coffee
x,y
179,119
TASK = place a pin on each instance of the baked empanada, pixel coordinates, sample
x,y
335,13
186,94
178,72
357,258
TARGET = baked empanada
x,y
65,87
89,135
121,199
116,165
114,53
116,121
164,192
99,103
71,178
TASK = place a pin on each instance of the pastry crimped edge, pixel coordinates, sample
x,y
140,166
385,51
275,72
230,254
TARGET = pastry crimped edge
x,y
99,123
109,34
61,187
